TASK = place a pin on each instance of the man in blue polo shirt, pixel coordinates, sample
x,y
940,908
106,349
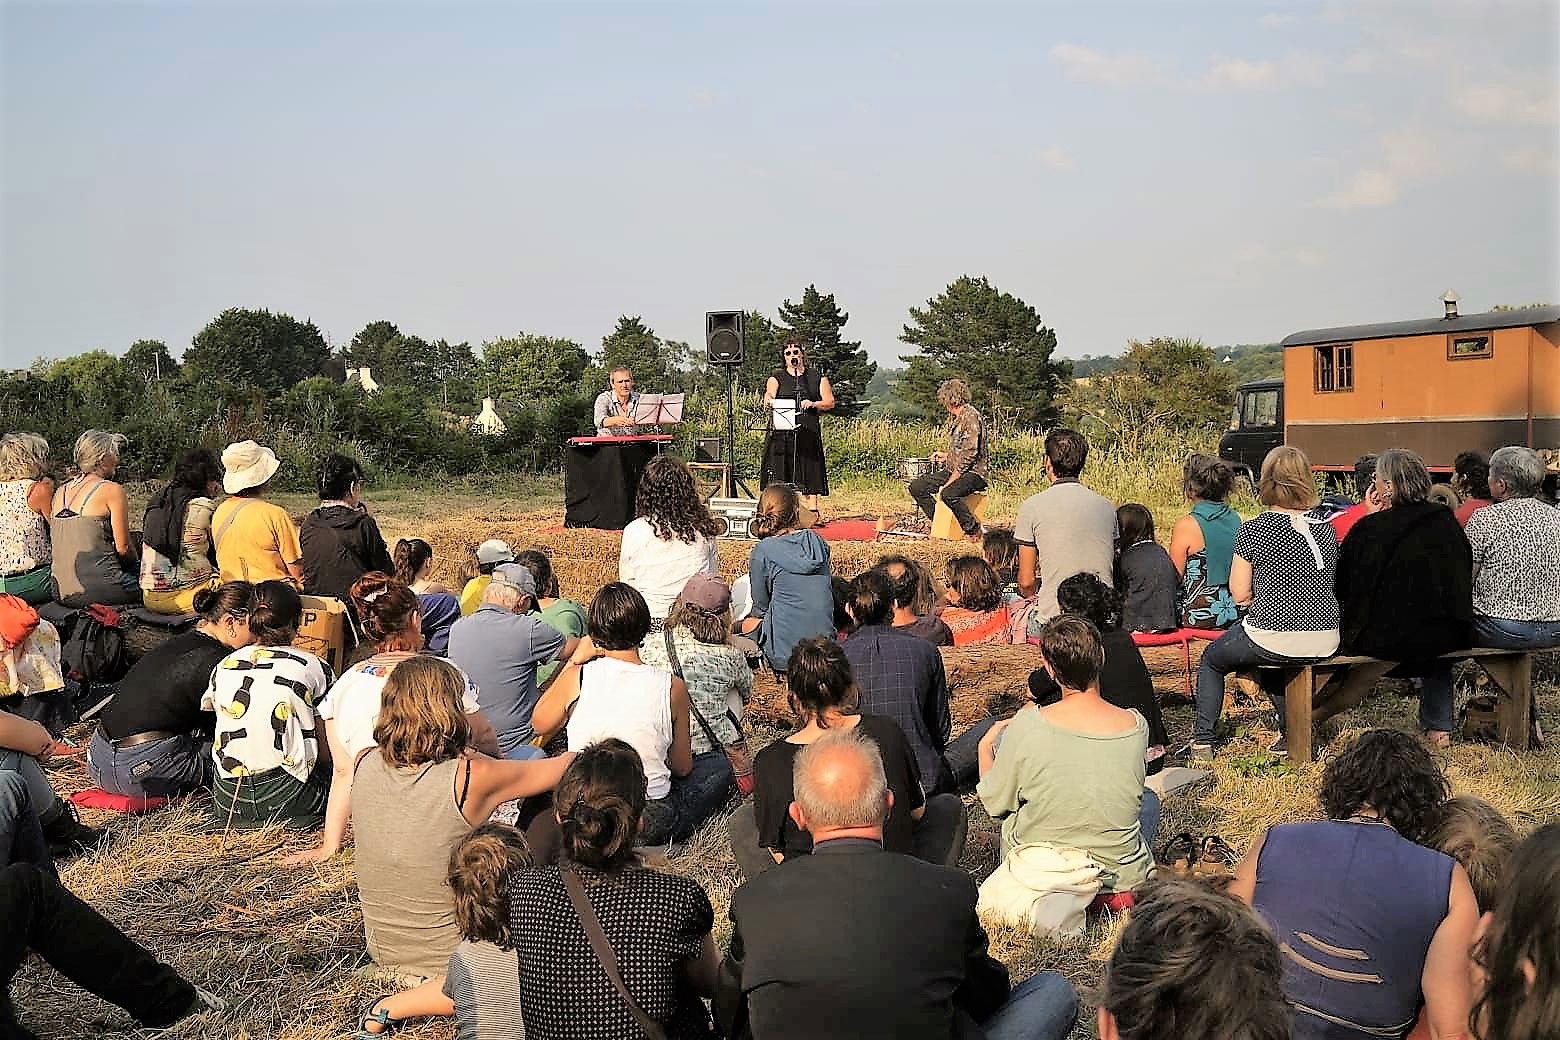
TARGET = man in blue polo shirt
x,y
499,646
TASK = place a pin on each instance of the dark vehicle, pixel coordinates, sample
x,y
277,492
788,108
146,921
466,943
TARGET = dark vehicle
x,y
1256,428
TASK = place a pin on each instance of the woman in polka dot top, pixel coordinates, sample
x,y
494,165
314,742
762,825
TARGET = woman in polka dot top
x,y
1285,562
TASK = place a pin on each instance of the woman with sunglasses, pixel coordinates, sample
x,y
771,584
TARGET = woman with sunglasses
x,y
796,456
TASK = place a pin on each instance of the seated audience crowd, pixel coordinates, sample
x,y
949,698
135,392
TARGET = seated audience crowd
x,y
512,766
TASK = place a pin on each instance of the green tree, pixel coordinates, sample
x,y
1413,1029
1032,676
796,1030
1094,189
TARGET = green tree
x,y
1166,382
271,351
992,340
818,321
760,352
96,376
148,361
531,368
384,350
448,371
635,345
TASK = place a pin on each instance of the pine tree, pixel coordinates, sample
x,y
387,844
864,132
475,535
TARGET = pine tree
x,y
817,321
632,344
992,340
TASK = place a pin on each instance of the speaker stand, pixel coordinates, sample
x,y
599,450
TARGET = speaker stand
x,y
734,475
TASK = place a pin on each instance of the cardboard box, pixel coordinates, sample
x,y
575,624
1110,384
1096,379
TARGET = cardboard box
x,y
324,631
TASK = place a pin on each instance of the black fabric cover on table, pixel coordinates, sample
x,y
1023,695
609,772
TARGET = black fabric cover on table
x,y
600,481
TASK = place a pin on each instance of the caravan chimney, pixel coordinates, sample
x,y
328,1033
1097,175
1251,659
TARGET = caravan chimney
x,y
1449,301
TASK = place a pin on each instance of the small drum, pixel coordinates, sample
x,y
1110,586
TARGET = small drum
x,y
910,469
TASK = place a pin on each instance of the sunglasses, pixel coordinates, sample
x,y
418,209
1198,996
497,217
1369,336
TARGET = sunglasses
x,y
793,353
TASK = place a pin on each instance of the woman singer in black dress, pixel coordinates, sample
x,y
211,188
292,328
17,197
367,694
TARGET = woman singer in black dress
x,y
813,394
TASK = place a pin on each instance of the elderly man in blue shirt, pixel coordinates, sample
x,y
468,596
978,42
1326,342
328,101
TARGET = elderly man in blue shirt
x,y
500,647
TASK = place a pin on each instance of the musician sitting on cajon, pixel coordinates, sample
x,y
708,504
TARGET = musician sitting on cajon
x,y
962,468
615,407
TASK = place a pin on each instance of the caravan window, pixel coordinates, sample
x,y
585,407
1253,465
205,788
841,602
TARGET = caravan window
x,y
1335,367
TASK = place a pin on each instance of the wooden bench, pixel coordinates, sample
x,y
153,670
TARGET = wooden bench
x,y
1510,670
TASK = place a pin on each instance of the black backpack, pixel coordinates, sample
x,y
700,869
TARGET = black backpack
x,y
92,645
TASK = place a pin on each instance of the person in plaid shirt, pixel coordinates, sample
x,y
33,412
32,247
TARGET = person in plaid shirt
x,y
901,676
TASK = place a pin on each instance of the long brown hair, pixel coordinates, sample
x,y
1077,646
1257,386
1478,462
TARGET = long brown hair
x,y
1523,935
668,499
421,716
388,609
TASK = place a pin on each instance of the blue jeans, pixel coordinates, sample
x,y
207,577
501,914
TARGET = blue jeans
x,y
1042,1007
525,753
167,768
40,792
692,800
1232,652
1148,817
21,835
1505,634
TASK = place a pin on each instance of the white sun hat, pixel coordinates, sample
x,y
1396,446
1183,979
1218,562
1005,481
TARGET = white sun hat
x,y
246,465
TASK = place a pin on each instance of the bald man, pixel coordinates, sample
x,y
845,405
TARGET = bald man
x,y
857,942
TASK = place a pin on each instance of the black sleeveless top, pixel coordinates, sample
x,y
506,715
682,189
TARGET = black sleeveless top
x,y
806,387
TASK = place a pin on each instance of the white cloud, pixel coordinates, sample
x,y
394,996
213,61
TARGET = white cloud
x,y
1277,20
1054,158
1092,66
1367,189
1533,162
1495,102
1296,69
1241,73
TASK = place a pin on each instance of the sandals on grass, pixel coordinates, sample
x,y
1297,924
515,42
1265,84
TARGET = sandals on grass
x,y
376,1015
1190,856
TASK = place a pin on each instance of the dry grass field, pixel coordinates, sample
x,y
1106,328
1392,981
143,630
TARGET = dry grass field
x,y
284,946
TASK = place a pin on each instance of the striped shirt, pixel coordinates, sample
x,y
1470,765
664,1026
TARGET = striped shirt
x,y
484,982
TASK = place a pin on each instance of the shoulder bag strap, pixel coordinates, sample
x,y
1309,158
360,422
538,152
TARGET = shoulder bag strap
x,y
671,655
227,521
603,951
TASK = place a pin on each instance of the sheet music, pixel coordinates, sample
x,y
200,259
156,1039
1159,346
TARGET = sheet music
x,y
654,409
784,414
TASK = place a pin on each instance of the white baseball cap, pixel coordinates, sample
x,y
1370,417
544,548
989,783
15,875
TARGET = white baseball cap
x,y
495,550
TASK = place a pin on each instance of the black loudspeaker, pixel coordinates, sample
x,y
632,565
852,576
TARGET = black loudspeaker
x,y
707,449
723,337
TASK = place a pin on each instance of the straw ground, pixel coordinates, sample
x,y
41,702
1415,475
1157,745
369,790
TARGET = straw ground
x,y
284,947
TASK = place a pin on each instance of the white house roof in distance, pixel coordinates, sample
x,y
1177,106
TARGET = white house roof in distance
x,y
487,421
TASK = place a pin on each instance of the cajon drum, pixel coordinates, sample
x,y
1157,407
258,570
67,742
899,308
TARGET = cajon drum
x,y
945,526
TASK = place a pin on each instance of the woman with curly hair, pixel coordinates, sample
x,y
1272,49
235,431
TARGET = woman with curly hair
x,y
1372,925
671,539
1518,957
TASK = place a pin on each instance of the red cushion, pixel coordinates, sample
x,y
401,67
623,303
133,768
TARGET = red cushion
x,y
97,798
1115,902
1176,638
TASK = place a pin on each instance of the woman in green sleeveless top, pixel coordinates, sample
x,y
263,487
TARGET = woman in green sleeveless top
x,y
1202,544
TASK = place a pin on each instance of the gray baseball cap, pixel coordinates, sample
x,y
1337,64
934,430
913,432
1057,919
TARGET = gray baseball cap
x,y
517,575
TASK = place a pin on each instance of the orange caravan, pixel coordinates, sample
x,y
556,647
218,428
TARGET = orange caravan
x,y
1469,382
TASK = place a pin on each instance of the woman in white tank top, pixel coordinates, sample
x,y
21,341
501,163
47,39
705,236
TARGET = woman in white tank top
x,y
605,690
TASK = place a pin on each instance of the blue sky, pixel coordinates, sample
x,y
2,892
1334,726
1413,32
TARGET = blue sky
x,y
1234,172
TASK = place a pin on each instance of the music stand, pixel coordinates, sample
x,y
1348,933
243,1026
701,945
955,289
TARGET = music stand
x,y
658,409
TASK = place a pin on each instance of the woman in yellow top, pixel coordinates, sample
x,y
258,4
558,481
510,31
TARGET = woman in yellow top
x,y
255,539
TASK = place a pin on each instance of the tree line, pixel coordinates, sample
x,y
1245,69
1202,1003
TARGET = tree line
x,y
273,376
